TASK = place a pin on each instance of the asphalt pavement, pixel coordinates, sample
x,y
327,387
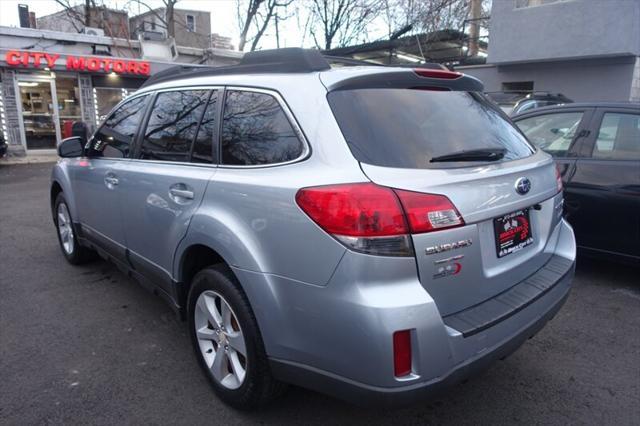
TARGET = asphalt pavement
x,y
87,345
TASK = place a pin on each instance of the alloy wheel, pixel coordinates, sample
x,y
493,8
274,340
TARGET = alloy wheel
x,y
65,229
220,339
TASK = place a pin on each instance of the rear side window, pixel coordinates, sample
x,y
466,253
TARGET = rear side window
x,y
406,128
256,131
115,136
172,125
618,137
552,132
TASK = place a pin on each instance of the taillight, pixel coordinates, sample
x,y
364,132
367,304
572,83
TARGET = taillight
x,y
402,353
363,216
375,219
433,73
558,178
428,212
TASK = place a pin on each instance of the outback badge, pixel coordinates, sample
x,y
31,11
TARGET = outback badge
x,y
448,246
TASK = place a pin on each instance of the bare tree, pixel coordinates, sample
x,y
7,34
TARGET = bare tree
x,y
254,17
77,16
424,16
341,22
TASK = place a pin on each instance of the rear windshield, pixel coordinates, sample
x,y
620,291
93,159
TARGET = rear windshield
x,y
406,128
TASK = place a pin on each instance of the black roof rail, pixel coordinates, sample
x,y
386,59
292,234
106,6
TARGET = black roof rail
x,y
287,60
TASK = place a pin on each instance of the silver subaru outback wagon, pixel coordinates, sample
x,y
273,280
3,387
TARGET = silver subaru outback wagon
x,y
370,232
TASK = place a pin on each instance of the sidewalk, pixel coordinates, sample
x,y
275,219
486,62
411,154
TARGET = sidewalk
x,y
29,159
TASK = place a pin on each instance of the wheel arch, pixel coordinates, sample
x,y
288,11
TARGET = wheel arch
x,y
61,182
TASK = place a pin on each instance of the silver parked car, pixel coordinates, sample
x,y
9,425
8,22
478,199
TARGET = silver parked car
x,y
374,233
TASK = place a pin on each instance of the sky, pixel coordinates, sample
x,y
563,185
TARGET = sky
x,y
223,18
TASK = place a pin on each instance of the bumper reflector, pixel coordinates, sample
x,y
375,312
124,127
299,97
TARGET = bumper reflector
x,y
402,353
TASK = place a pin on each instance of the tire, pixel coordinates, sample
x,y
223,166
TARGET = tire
x,y
67,235
211,288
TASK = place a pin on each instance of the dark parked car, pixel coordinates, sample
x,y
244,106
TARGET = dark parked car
x,y
538,100
517,102
597,147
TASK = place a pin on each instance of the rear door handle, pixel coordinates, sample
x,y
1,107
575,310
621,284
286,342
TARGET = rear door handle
x,y
182,193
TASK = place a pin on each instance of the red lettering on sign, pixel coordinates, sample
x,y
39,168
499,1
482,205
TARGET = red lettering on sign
x,y
107,65
51,59
93,64
16,58
76,64
118,66
12,58
145,68
37,57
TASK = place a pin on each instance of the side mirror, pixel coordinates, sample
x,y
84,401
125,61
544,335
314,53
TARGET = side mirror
x,y
71,147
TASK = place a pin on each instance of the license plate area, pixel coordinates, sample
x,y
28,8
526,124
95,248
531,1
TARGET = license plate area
x,y
512,232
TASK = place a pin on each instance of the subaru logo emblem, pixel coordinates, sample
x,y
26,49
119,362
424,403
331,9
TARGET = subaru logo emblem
x,y
523,185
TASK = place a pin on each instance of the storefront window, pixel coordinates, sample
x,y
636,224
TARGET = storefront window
x,y
107,98
68,94
38,113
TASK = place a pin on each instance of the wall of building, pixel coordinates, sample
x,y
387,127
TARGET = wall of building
x,y
113,22
583,81
565,29
201,38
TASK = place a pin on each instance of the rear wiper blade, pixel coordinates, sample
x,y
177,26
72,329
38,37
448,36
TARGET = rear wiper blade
x,y
483,154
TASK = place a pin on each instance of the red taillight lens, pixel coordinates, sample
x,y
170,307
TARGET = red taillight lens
x,y
355,210
402,353
370,218
428,212
443,74
558,178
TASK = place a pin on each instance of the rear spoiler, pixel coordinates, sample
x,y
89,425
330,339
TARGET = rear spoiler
x,y
417,78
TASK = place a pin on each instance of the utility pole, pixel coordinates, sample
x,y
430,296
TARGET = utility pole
x,y
475,9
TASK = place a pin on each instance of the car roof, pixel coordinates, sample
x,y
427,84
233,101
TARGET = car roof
x,y
625,105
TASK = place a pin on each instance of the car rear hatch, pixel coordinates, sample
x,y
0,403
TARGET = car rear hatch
x,y
455,143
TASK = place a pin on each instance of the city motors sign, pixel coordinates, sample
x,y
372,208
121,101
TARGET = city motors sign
x,y
16,58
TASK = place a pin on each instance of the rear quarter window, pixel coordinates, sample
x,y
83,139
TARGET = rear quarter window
x,y
406,128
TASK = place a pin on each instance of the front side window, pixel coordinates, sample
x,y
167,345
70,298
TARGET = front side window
x,y
618,137
172,125
552,133
116,136
256,131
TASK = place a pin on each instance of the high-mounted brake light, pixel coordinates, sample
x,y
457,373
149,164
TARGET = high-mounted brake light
x,y
375,219
402,353
432,73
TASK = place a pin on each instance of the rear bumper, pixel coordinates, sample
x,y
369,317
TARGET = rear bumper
x,y
364,394
337,338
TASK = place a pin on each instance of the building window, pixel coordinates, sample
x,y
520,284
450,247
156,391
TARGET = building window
x,y
191,23
518,86
153,25
521,4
